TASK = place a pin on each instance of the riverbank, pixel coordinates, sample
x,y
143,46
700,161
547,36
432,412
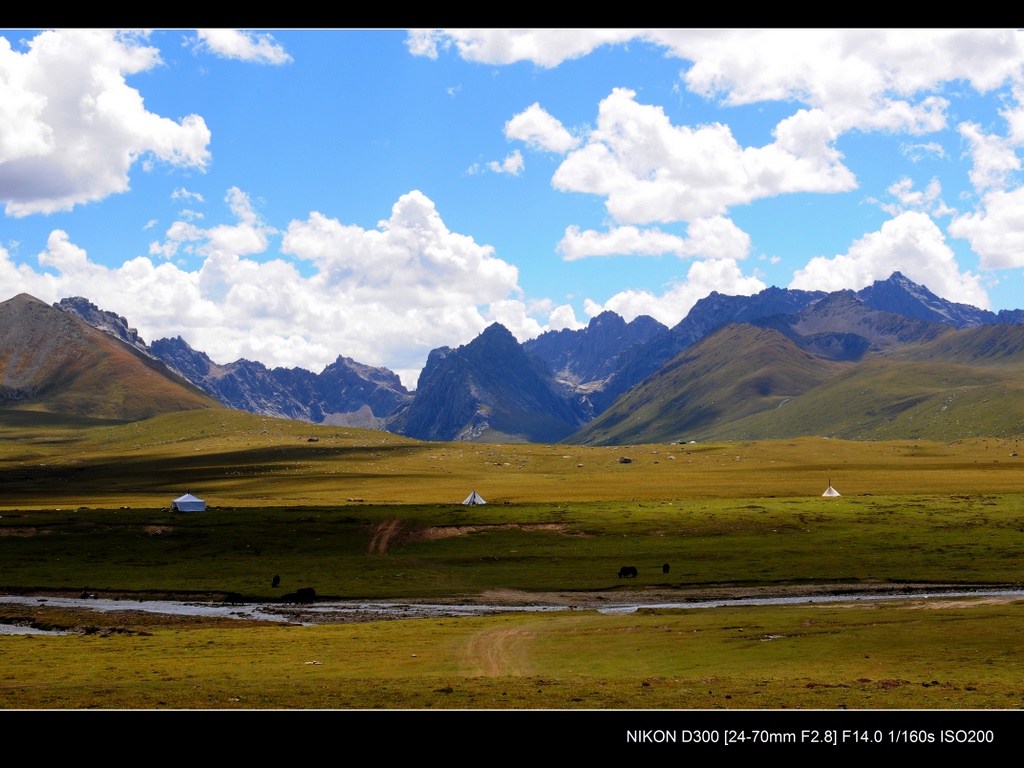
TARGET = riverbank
x,y
330,611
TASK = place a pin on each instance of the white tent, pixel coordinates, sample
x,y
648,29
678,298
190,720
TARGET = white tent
x,y
188,503
474,498
830,491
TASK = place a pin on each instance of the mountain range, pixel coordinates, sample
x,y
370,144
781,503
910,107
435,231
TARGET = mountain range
x,y
890,360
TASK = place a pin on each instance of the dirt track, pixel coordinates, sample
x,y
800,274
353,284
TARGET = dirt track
x,y
499,652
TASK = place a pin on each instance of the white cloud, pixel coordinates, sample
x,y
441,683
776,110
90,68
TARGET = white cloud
x,y
650,170
71,128
1014,116
996,231
63,255
384,296
423,42
247,237
910,243
563,317
545,47
512,163
703,277
520,317
181,193
861,78
994,158
918,152
244,46
512,314
715,237
873,79
540,130
910,199
618,241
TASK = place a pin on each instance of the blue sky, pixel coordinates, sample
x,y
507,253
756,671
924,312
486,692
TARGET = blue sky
x,y
291,196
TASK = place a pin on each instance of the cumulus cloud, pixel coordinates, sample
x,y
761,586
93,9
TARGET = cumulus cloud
x,y
248,236
920,151
244,46
715,237
994,158
513,164
540,130
521,317
564,317
910,199
71,128
650,170
872,79
383,296
181,193
545,47
910,243
424,42
996,230
864,78
703,277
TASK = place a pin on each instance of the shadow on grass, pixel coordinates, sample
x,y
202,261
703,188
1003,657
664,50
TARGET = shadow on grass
x,y
94,476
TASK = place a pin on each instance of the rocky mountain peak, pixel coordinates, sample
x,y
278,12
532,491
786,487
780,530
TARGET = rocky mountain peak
x,y
108,322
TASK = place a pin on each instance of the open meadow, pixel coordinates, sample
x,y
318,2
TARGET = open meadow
x,y
368,515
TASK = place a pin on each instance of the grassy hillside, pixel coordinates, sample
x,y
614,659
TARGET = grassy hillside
x,y
742,384
886,399
53,362
995,346
735,372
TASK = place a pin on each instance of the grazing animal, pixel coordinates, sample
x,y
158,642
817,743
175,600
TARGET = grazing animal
x,y
664,568
627,572
276,582
301,595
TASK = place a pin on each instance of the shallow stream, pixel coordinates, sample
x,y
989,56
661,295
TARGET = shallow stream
x,y
336,612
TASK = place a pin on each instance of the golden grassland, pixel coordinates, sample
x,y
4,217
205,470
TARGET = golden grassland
x,y
237,459
917,654
361,514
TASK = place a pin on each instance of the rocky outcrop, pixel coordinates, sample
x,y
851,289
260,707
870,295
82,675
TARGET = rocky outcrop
x,y
902,296
344,393
108,322
592,354
492,389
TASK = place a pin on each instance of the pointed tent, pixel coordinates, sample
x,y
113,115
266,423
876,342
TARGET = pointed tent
x,y
188,503
474,498
830,492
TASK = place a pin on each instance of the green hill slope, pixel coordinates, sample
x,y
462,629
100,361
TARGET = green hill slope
x,y
731,374
740,384
889,399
